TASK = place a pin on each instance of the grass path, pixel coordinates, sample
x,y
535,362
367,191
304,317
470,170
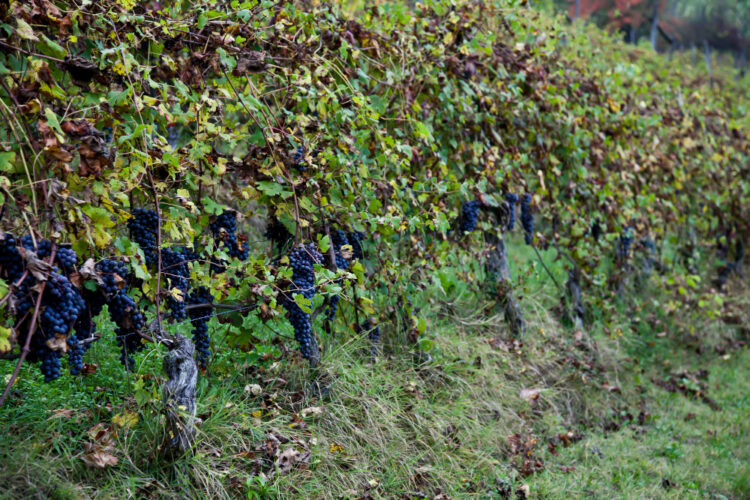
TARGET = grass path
x,y
685,449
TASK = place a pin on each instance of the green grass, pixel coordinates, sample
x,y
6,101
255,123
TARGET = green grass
x,y
405,427
684,450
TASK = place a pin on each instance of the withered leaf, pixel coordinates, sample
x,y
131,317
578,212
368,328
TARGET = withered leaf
x,y
38,268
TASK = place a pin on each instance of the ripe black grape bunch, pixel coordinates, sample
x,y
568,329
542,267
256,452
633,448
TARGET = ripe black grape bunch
x,y
469,216
355,240
527,218
277,233
511,199
143,228
224,228
61,302
302,260
123,310
199,317
624,243
339,238
370,326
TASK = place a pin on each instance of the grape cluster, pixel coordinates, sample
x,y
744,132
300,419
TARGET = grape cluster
x,y
129,320
469,215
50,366
23,297
199,319
123,310
596,230
62,306
84,328
339,239
301,260
11,261
511,199
225,229
355,240
42,248
624,243
67,313
67,259
527,219
277,232
112,273
373,332
298,159
76,350
143,228
175,268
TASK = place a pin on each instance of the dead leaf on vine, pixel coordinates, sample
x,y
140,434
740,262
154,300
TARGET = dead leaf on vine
x,y
58,343
36,266
88,272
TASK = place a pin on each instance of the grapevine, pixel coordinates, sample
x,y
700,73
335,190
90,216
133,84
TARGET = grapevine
x,y
527,218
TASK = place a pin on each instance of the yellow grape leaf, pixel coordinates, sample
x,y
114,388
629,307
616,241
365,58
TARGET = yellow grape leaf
x,y
5,335
366,305
25,31
613,106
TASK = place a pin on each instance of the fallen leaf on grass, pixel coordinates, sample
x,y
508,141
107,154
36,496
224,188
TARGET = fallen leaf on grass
x,y
63,413
313,410
253,389
98,452
336,448
290,458
530,394
126,419
98,457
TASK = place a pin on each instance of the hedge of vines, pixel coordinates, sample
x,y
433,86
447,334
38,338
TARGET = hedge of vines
x,y
139,139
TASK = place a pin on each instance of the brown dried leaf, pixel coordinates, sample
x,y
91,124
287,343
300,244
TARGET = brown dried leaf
x,y
58,343
36,266
65,413
287,459
98,452
97,456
